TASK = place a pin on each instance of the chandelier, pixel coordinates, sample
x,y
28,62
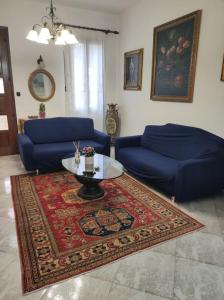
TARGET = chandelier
x,y
51,29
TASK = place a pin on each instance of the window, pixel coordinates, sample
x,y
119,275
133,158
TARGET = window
x,y
4,122
2,90
88,83
84,72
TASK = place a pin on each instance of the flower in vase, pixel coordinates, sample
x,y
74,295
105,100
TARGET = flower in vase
x,y
88,151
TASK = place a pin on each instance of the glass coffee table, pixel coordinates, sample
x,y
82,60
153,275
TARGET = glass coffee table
x,y
104,168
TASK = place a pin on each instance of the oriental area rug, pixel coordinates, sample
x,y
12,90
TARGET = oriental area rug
x,y
61,235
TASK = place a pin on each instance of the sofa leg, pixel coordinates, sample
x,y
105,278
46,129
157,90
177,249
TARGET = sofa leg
x,y
173,199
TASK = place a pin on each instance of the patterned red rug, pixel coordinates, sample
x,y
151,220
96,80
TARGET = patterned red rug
x,y
61,235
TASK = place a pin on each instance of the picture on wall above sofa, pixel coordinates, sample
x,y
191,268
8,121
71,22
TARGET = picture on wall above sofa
x,y
222,73
133,64
175,48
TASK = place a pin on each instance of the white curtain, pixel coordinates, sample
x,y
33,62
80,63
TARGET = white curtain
x,y
84,74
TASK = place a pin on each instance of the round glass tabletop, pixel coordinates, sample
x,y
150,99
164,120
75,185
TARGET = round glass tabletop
x,y
104,167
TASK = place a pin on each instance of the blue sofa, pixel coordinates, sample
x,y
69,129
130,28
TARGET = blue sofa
x,y
46,141
184,162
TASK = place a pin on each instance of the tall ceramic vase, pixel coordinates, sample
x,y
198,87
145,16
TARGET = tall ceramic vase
x,y
112,121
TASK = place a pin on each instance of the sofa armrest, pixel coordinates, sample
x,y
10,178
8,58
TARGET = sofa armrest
x,y
103,139
127,141
26,151
199,177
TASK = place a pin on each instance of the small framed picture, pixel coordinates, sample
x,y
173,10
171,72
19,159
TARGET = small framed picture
x,y
133,64
222,73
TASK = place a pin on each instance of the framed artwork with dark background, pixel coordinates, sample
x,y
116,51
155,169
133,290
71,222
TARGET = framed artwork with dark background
x,y
175,47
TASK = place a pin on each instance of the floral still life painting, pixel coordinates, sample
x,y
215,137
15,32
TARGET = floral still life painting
x,y
133,62
174,59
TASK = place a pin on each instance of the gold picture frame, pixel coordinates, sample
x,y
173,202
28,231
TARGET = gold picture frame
x,y
36,79
175,47
222,72
133,65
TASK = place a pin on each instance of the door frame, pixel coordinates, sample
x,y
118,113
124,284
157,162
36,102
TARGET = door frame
x,y
13,115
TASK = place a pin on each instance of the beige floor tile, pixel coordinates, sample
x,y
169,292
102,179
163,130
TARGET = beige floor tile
x,y
106,272
118,292
80,288
202,247
168,247
148,271
8,237
198,281
10,282
6,209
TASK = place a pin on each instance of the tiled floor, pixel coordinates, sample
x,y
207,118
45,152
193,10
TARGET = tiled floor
x,y
191,267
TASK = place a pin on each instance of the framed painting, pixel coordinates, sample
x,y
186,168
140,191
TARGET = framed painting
x,y
133,63
222,73
175,46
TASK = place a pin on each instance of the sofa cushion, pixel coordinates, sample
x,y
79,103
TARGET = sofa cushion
x,y
179,142
57,151
55,130
147,162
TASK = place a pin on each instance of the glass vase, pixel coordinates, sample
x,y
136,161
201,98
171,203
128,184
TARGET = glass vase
x,y
89,163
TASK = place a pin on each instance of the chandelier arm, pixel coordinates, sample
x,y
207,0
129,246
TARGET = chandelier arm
x,y
36,25
45,19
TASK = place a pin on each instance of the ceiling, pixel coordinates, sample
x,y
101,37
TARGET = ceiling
x,y
109,6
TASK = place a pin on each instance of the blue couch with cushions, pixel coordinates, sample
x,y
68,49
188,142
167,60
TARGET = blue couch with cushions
x,y
46,141
184,162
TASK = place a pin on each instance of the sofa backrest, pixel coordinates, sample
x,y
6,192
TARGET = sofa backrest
x,y
180,142
60,129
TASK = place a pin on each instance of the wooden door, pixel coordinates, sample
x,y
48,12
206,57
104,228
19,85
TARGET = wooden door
x,y
8,123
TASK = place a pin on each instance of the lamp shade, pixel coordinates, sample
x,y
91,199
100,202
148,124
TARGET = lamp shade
x,y
42,41
45,34
71,39
32,36
59,40
64,34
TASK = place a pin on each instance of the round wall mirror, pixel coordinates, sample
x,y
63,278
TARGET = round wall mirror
x,y
41,85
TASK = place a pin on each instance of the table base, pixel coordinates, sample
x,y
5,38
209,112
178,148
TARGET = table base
x,y
90,188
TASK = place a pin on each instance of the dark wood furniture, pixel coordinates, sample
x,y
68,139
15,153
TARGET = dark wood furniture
x,y
105,168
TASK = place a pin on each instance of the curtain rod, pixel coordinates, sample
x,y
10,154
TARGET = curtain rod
x,y
106,31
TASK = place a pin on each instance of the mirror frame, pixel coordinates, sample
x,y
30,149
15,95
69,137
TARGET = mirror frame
x,y
30,81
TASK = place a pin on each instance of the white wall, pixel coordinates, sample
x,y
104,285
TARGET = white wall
x,y
207,109
19,16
